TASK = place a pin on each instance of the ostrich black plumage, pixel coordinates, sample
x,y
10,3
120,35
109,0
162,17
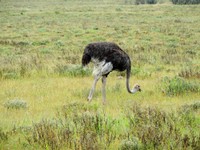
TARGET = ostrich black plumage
x,y
107,57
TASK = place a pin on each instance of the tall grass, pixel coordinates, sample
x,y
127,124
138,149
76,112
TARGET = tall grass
x,y
177,86
79,126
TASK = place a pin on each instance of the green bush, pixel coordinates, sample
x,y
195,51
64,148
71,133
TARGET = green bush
x,y
178,85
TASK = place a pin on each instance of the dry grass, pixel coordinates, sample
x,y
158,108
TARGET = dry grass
x,y
41,44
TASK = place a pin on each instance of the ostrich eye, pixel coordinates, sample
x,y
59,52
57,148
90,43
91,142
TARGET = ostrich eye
x,y
138,86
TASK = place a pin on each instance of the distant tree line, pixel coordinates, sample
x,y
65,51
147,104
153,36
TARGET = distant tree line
x,y
138,2
182,2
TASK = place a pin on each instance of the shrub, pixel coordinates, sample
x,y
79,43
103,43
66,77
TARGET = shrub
x,y
177,86
190,72
191,107
157,129
9,73
129,144
75,128
15,104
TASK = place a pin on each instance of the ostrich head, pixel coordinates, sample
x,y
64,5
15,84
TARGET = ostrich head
x,y
136,88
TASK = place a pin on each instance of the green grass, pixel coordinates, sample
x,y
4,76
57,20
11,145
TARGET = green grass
x,y
43,88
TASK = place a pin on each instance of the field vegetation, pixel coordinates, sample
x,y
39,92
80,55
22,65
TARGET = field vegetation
x,y
43,87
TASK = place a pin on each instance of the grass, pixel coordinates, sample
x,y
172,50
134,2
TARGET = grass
x,y
44,88
92,128
46,102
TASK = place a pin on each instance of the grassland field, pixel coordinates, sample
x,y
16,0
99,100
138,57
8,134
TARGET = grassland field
x,y
42,81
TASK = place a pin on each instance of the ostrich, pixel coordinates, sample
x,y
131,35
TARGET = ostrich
x,y
107,57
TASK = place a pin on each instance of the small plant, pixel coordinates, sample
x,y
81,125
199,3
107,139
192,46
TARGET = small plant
x,y
3,136
15,104
45,134
129,144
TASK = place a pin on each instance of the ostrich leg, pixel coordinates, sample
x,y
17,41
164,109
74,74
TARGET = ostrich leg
x,y
100,69
104,89
93,88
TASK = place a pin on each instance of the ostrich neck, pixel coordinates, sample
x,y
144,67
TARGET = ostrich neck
x,y
128,72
